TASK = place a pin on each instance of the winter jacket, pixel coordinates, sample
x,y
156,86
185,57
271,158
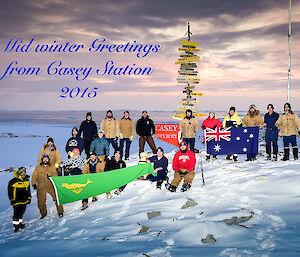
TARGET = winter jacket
x,y
288,123
96,167
251,121
230,121
126,127
54,154
75,142
270,120
40,176
114,165
100,146
145,127
189,127
162,162
110,127
18,189
89,130
185,161
76,164
211,123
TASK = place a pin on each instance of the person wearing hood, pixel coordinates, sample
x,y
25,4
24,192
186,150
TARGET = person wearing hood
x,y
232,119
288,124
50,149
184,168
75,163
110,126
145,131
188,127
19,195
94,164
74,142
271,135
100,145
89,130
252,119
212,123
42,184
127,130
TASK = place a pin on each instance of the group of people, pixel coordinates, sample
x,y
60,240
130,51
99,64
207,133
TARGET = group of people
x,y
96,143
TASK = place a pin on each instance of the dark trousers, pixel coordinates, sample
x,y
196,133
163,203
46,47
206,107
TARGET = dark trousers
x,y
160,176
149,140
87,145
287,140
272,140
190,142
251,156
127,143
113,142
19,211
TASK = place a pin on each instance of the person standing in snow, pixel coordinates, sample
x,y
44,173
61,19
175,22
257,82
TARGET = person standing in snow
x,y
184,168
74,142
212,123
50,149
160,164
145,131
100,145
271,136
89,129
110,126
75,164
252,119
19,195
42,184
127,130
188,127
94,164
232,120
288,124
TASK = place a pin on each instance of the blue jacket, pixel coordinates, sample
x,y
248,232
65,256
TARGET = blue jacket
x,y
75,142
270,120
100,146
163,162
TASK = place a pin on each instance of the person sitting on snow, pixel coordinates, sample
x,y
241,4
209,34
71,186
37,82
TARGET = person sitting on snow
x,y
75,164
160,163
184,165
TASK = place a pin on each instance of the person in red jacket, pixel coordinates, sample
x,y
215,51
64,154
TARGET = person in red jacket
x,y
184,165
212,123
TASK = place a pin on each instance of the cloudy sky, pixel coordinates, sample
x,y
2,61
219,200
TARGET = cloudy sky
x,y
243,57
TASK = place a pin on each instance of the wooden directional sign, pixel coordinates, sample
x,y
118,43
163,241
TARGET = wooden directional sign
x,y
190,87
189,43
189,49
197,94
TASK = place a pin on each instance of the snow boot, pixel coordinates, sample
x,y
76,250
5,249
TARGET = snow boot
x,y
94,199
109,196
185,187
235,158
207,157
268,152
295,153
286,155
215,158
84,206
171,188
17,228
22,225
43,216
159,183
118,192
275,157
228,158
60,215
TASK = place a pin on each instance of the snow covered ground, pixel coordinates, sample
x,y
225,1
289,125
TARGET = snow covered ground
x,y
263,196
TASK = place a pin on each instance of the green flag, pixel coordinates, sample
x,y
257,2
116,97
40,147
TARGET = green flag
x,y
73,188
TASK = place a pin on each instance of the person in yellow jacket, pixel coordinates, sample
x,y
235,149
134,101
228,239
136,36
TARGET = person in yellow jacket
x,y
50,149
110,126
232,119
42,184
188,127
288,124
127,130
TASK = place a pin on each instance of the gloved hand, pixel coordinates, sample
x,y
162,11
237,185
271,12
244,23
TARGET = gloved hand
x,y
299,132
215,126
12,202
29,201
116,138
203,127
121,136
131,138
34,186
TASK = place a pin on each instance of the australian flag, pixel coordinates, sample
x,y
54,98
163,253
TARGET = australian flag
x,y
234,140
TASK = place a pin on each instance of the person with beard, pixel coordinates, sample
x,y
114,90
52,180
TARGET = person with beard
x,y
89,130
184,168
100,145
110,126
252,119
50,149
232,119
188,127
288,124
271,135
19,195
42,184
127,130
95,164
75,164
74,142
145,131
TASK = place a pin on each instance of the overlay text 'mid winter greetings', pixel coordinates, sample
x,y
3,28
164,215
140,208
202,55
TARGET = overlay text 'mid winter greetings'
x,y
80,73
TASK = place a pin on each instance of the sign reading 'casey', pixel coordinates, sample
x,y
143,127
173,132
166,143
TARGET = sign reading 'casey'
x,y
168,133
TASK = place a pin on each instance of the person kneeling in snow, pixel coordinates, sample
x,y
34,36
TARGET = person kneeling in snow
x,y
19,195
184,165
75,164
160,163
42,184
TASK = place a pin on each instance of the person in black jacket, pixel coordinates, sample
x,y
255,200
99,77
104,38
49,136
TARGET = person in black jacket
x,y
19,195
74,142
116,163
89,129
145,131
